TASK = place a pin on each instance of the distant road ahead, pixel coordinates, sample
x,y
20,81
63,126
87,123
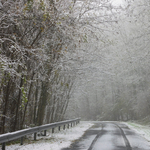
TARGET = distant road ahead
x,y
110,136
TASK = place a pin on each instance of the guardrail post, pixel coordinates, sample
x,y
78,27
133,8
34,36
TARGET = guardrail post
x,y
68,125
71,124
53,130
59,128
3,146
64,127
44,133
21,141
35,136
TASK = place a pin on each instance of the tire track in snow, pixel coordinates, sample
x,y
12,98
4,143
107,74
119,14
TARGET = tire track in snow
x,y
128,146
96,138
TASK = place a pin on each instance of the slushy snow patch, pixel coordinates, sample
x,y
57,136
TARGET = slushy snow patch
x,y
55,141
144,131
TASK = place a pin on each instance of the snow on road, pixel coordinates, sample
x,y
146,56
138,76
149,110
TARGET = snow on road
x,y
64,138
55,141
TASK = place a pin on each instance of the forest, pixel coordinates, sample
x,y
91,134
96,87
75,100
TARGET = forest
x,y
61,59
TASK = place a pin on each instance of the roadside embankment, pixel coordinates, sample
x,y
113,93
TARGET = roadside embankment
x,y
142,128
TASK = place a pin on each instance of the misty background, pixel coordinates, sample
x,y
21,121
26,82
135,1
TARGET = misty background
x,y
63,59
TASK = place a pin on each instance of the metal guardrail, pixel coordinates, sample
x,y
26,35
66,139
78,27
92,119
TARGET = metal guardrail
x,y
21,133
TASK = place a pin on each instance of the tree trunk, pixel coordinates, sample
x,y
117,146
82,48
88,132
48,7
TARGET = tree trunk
x,y
18,104
42,103
6,100
29,97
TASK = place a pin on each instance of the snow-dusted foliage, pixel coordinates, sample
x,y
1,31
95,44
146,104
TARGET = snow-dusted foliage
x,y
37,47
42,49
116,83
51,48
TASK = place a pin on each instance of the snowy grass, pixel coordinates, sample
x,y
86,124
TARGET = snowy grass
x,y
143,130
55,141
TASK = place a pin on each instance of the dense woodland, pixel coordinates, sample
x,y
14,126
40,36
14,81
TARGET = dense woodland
x,y
63,58
37,44
115,84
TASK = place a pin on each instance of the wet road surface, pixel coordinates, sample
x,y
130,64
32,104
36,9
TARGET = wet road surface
x,y
110,136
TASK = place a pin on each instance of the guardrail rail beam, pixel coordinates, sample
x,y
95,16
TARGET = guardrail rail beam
x,y
21,133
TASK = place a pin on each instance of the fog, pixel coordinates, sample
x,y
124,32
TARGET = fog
x,y
115,84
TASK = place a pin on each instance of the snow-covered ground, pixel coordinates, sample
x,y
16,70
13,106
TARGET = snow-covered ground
x,y
64,138
143,130
55,141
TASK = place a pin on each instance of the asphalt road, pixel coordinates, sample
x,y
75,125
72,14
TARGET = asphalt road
x,y
110,136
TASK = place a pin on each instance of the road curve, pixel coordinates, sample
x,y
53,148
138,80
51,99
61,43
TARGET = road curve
x,y
110,136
